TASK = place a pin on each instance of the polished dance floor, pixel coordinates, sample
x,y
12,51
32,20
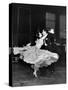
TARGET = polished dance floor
x,y
22,75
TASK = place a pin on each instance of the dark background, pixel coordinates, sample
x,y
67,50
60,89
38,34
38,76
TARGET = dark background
x,y
26,19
